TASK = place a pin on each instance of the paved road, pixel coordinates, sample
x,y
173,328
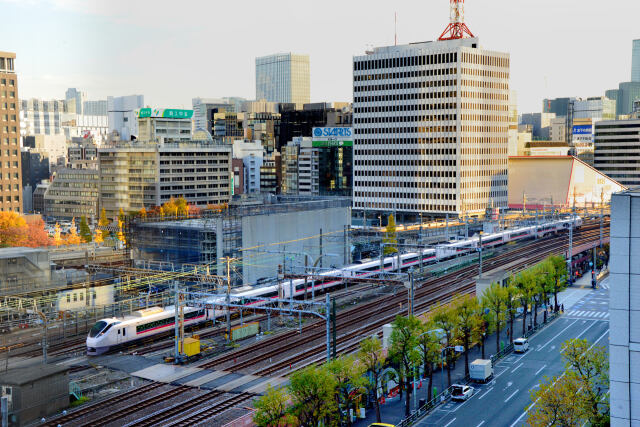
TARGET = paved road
x,y
503,401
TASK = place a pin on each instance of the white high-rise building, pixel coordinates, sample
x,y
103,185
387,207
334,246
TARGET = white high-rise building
x,y
431,128
283,77
122,114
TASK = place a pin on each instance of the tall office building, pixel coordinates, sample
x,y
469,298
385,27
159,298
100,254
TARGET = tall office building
x,y
635,61
431,128
617,150
75,100
283,77
10,168
122,115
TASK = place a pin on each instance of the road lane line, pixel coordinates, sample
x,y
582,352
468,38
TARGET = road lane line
x,y
485,393
559,333
580,334
516,368
606,315
513,394
538,371
449,423
481,422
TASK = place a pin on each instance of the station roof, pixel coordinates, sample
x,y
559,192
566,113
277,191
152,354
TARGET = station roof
x,y
26,375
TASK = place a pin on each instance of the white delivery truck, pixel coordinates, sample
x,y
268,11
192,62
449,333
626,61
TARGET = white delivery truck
x,y
481,370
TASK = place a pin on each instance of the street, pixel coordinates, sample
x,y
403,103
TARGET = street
x,y
503,401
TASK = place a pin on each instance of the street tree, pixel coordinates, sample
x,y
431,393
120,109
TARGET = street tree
x,y
390,238
271,409
524,282
85,231
372,357
312,393
103,222
430,349
348,377
591,365
494,298
559,277
444,317
555,403
403,350
467,311
511,307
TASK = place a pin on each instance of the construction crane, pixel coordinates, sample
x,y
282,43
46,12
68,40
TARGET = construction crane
x,y
456,29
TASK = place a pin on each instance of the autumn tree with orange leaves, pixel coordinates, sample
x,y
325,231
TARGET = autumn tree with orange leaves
x,y
15,230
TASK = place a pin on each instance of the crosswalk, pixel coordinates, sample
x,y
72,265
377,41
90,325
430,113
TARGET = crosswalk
x,y
603,285
588,313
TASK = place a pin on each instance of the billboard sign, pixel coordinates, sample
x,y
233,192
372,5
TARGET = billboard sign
x,y
582,130
169,113
332,137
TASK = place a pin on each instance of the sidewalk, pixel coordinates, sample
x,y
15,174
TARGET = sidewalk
x,y
392,411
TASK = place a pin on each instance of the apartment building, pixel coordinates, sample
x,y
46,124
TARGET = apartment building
x,y
10,168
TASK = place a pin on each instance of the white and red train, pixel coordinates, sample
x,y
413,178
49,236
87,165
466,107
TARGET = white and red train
x,y
114,332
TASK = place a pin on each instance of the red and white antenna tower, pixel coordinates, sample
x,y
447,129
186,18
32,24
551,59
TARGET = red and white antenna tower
x,y
456,28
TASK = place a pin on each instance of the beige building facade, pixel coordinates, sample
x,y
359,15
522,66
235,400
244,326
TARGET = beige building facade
x,y
10,167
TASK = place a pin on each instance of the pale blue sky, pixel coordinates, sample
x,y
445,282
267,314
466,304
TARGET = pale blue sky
x,y
172,51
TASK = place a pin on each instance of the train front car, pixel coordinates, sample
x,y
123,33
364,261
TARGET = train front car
x,y
99,339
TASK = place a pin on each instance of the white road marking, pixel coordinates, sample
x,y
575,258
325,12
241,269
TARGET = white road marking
x,y
580,334
539,370
606,315
513,394
559,333
485,393
449,423
481,422
516,368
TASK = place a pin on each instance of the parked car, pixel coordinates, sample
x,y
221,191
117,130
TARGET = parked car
x,y
381,425
520,345
461,392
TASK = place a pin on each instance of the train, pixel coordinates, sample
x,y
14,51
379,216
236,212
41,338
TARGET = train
x,y
109,333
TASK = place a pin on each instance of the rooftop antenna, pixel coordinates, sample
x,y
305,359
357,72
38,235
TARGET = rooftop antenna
x,y
395,29
456,28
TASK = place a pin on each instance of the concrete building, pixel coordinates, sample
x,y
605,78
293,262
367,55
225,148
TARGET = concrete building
x,y
133,175
540,124
431,125
75,100
38,198
169,125
635,61
205,108
35,166
24,270
624,320
271,174
617,150
72,194
82,153
557,106
35,392
300,167
513,124
260,106
228,127
558,181
10,169
40,117
299,122
251,154
95,108
262,226
237,166
558,129
122,115
547,148
283,77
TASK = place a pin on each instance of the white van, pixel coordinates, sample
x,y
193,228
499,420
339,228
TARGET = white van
x,y
520,345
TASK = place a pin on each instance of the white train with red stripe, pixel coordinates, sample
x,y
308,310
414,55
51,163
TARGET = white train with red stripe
x,y
109,333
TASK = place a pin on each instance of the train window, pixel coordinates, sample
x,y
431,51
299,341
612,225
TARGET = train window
x,y
94,294
75,297
124,331
68,297
95,330
118,331
81,297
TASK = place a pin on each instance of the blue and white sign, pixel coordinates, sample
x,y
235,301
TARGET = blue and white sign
x,y
582,130
336,133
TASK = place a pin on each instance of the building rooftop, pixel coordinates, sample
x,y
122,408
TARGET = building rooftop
x,y
21,376
18,251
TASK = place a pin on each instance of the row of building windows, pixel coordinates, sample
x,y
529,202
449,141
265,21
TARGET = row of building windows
x,y
407,152
405,97
4,82
4,93
407,61
406,173
410,107
7,187
485,73
408,184
406,162
402,119
404,129
405,206
401,86
404,75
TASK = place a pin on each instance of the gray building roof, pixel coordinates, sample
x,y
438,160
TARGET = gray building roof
x,y
21,376
19,251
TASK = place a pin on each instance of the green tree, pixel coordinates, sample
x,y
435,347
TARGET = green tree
x,y
372,357
591,365
525,284
511,307
271,409
559,277
555,403
390,238
85,231
544,273
430,352
103,222
348,376
494,298
444,317
403,350
312,391
467,311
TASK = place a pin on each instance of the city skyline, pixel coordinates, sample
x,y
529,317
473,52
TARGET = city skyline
x,y
112,49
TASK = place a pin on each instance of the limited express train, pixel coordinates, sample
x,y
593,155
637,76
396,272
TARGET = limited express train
x,y
113,332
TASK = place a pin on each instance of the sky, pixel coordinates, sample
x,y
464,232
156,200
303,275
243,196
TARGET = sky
x,y
173,51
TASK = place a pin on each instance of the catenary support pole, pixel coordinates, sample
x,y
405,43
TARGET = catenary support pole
x,y
328,319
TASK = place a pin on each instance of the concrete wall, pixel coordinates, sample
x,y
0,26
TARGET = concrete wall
x,y
300,231
624,306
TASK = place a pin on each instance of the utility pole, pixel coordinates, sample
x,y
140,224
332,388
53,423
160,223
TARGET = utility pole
x,y
346,261
447,228
228,261
335,332
321,248
176,321
327,308
480,250
411,291
570,255
4,409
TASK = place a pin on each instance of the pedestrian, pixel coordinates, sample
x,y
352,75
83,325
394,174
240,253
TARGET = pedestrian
x,y
562,308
